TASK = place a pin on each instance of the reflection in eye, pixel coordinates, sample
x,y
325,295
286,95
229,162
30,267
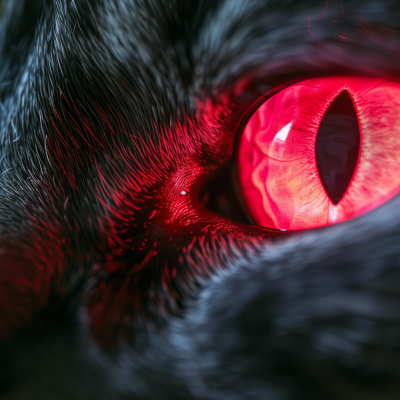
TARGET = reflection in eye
x,y
320,152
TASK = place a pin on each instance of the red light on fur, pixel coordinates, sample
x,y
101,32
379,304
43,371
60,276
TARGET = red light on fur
x,y
277,166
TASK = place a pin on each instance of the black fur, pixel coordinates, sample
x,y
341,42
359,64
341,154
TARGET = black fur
x,y
104,97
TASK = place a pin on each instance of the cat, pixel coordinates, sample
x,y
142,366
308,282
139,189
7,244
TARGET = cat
x,y
120,275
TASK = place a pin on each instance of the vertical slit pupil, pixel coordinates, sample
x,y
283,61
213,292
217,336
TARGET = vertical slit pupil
x,y
337,146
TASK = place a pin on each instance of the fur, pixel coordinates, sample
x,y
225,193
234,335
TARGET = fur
x,y
115,285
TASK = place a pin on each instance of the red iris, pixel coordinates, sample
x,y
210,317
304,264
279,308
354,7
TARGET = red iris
x,y
283,185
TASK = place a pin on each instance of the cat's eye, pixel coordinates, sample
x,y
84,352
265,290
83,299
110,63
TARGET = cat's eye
x,y
320,152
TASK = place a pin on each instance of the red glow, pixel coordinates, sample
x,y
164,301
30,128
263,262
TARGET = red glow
x,y
277,168
26,275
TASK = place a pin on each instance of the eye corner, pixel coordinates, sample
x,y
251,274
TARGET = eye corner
x,y
221,195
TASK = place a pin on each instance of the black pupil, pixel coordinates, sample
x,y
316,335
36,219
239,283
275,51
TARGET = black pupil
x,y
337,146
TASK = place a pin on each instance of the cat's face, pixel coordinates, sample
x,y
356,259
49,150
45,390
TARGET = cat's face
x,y
128,267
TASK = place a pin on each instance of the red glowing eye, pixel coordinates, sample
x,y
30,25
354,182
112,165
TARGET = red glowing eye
x,y
321,151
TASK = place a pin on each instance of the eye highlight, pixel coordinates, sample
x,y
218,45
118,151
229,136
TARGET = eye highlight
x,y
320,152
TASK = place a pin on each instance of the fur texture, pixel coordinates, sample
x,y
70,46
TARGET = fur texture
x,y
114,284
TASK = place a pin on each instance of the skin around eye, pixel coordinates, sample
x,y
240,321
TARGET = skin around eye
x,y
277,167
